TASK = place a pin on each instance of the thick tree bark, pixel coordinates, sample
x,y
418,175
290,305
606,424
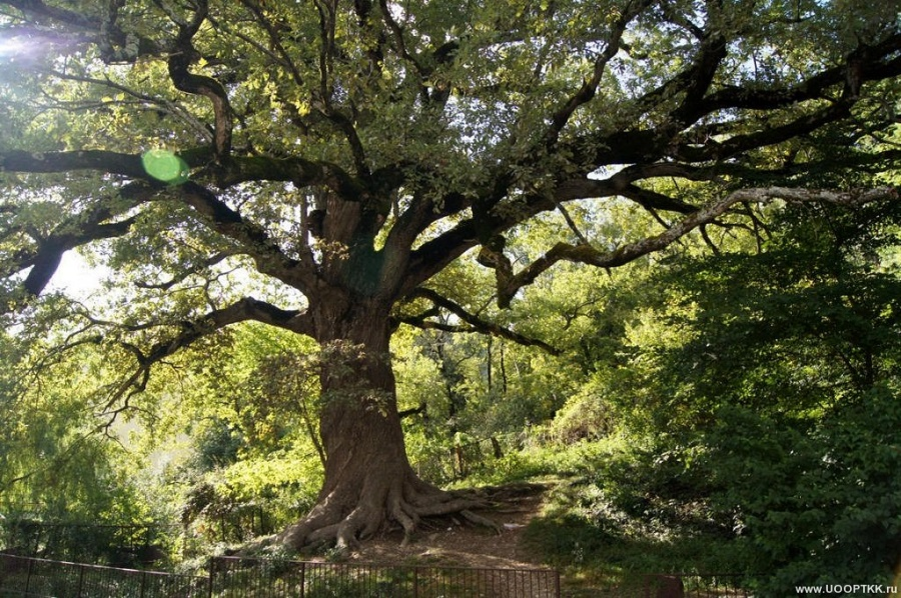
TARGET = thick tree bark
x,y
369,483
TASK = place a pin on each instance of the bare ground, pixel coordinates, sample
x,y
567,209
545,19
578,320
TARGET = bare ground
x,y
454,541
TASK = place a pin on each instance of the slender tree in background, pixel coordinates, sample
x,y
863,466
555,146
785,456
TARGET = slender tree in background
x,y
312,165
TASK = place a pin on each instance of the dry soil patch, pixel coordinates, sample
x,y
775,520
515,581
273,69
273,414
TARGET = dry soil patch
x,y
454,541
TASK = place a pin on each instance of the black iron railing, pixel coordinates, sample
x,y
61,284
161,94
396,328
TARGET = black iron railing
x,y
21,576
258,578
232,577
236,577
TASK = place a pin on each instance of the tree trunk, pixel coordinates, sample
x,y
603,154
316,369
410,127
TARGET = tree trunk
x,y
369,482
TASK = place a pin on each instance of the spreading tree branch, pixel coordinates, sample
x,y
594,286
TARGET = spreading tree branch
x,y
181,58
472,321
246,309
509,283
208,262
254,240
590,84
92,224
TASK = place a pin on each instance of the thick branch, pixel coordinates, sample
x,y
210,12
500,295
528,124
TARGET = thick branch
x,y
510,284
247,309
631,146
39,9
46,258
432,256
254,240
301,172
268,256
715,151
75,231
622,184
179,62
867,63
713,51
47,162
475,323
871,69
590,84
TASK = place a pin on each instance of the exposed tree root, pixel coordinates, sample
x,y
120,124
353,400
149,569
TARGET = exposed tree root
x,y
337,520
479,520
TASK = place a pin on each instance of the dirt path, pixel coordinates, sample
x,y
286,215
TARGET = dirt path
x,y
456,542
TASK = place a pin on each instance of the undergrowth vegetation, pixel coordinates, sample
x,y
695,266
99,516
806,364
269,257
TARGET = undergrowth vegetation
x,y
760,439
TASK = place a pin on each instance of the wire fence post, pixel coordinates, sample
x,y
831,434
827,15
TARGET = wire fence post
x,y
415,582
303,579
28,576
212,577
80,581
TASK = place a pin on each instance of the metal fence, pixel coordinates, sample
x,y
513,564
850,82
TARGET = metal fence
x,y
120,546
258,578
21,576
234,577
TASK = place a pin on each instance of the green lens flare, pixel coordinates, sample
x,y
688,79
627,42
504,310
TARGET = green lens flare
x,y
165,166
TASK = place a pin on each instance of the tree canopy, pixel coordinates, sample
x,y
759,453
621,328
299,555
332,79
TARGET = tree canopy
x,y
314,165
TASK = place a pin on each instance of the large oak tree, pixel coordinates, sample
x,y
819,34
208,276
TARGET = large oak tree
x,y
314,164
